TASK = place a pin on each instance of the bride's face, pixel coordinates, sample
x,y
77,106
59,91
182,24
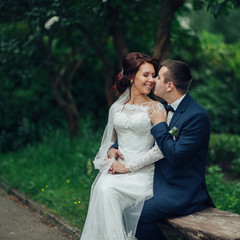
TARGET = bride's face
x,y
144,79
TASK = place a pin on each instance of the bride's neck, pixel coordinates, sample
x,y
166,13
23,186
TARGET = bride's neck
x,y
138,99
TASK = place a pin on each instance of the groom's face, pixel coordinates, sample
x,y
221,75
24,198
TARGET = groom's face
x,y
160,86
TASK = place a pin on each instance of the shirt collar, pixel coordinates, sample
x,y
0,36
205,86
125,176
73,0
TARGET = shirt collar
x,y
177,102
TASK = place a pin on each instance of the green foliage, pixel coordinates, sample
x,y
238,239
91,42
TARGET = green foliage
x,y
235,168
29,52
26,109
204,21
215,80
224,151
35,48
216,7
225,195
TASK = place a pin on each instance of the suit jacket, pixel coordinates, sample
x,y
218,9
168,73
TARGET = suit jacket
x,y
179,180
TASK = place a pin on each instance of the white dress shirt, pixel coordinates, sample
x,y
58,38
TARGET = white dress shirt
x,y
174,106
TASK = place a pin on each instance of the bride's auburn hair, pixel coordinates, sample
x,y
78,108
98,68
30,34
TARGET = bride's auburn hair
x,y
130,66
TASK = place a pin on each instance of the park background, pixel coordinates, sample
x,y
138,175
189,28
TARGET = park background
x,y
58,63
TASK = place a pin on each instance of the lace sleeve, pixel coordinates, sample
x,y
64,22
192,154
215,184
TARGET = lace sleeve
x,y
150,157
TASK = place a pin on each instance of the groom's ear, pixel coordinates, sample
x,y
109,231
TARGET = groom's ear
x,y
170,86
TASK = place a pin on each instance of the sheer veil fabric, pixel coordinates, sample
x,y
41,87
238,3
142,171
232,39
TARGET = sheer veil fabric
x,y
99,162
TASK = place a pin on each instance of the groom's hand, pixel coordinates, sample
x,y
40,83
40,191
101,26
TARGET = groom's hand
x,y
156,115
114,153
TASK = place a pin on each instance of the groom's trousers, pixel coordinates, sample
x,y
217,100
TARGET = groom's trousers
x,y
147,228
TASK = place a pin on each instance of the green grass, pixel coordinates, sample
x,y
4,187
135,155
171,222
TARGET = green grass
x,y
58,173
225,193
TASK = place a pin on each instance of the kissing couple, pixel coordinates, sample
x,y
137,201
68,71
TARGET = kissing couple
x,y
152,156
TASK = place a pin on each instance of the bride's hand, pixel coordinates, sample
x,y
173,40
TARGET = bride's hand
x,y
118,167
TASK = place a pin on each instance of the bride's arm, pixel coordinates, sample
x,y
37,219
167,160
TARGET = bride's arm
x,y
150,157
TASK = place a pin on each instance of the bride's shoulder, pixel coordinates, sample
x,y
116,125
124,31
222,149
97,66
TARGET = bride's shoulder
x,y
159,104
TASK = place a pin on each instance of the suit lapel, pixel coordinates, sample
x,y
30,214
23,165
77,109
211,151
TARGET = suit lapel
x,y
174,119
180,109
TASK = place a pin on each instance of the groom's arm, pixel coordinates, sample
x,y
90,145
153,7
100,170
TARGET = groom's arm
x,y
192,136
115,145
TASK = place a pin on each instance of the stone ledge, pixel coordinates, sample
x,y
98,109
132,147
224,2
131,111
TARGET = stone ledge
x,y
42,211
211,224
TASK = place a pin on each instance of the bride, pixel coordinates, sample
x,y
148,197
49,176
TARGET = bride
x,y
123,184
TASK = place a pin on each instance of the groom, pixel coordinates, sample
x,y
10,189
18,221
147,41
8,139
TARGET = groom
x,y
182,134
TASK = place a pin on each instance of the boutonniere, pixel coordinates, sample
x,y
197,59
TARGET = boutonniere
x,y
174,131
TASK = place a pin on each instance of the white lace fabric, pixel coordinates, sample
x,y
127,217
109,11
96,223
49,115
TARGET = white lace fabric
x,y
132,130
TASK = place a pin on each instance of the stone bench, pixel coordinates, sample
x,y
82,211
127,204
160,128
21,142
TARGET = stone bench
x,y
211,224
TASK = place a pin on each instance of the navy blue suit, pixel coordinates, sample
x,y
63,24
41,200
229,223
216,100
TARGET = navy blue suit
x,y
179,186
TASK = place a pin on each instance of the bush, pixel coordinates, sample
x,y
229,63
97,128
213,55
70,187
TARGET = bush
x,y
224,150
224,194
215,81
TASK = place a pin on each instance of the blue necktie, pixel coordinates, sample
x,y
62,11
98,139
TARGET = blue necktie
x,y
167,107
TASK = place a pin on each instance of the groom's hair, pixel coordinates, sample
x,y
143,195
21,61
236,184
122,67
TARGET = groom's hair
x,y
179,73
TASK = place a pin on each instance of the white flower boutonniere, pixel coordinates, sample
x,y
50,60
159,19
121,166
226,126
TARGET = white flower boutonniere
x,y
174,131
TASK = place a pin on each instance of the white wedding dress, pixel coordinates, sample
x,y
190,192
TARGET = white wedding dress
x,y
116,201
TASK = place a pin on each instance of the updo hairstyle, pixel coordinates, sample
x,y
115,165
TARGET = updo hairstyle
x,y
130,66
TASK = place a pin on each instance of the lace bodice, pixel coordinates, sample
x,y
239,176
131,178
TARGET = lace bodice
x,y
132,130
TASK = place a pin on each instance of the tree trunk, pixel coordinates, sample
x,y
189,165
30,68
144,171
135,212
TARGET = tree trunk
x,y
118,34
61,86
72,117
120,48
65,100
107,66
162,39
109,84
